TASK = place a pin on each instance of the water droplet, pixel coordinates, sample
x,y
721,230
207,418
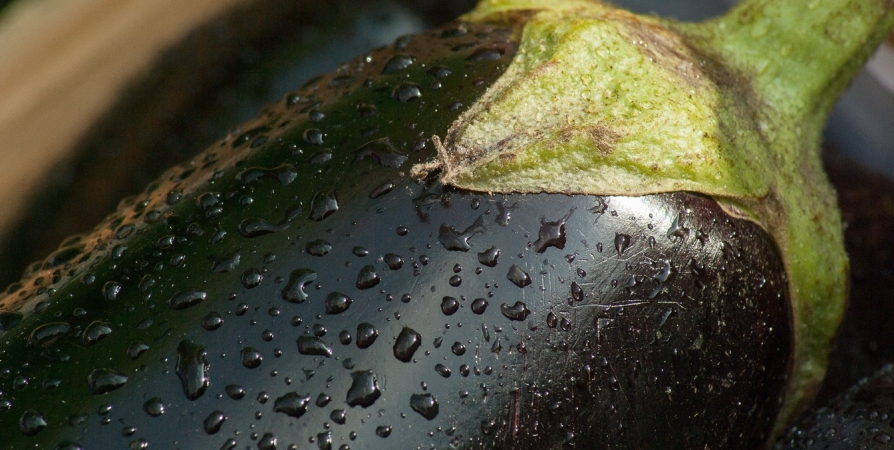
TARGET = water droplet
x,y
214,421
110,290
9,319
338,416
32,422
366,335
458,349
136,348
252,278
285,174
398,63
251,358
103,381
666,272
313,136
298,280
518,311
551,320
46,334
622,241
518,276
212,321
455,281
95,332
479,305
576,292
406,92
267,442
381,189
227,263
439,71
323,205
254,227
337,303
383,431
552,234
449,306
459,241
394,261
408,341
381,151
68,445
292,404
490,53
192,368
318,247
424,404
234,391
312,345
154,407
367,277
677,229
364,389
187,298
489,257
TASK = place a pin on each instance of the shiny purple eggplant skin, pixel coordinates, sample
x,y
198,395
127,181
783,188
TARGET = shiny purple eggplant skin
x,y
293,287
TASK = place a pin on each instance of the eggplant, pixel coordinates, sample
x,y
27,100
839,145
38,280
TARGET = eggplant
x,y
358,282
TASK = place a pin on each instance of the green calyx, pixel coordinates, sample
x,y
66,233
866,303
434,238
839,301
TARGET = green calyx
x,y
605,102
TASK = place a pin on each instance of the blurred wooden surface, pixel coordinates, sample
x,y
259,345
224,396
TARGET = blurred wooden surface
x,y
62,64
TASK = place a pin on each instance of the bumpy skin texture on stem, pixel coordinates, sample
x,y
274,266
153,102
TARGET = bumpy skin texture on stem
x,y
733,108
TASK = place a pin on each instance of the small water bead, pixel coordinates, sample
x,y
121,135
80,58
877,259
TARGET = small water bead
x,y
136,348
319,330
103,381
250,357
366,335
313,136
214,422
408,341
576,292
318,247
312,345
322,400
364,390
292,404
406,92
519,311
458,349
449,305
479,305
359,251
252,278
383,431
402,230
518,276
552,320
367,277
455,281
212,321
154,407
397,63
95,332
344,337
381,189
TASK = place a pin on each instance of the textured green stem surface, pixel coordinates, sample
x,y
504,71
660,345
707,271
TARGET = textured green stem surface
x,y
605,102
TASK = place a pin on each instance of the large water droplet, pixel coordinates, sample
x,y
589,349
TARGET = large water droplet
x,y
424,404
364,389
459,241
214,421
46,334
110,290
292,404
366,335
285,174
479,305
408,341
312,345
154,407
518,276
337,303
187,298
227,263
406,92
394,261
449,305
95,332
32,422
367,277
323,205
551,234
212,321
136,348
518,311
489,257
398,63
254,227
103,381
622,241
298,280
576,292
192,368
251,358
382,151
318,247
